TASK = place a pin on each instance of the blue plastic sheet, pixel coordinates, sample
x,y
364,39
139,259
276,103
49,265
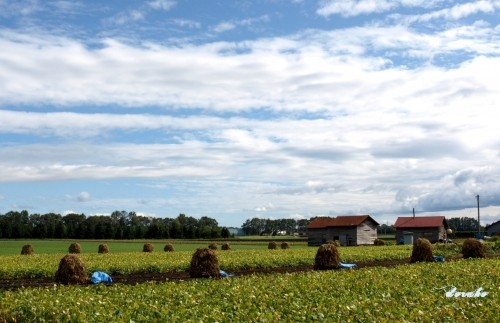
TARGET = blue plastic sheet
x,y
100,277
347,266
224,274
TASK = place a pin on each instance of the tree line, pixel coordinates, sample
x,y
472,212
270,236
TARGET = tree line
x,y
257,226
129,225
119,225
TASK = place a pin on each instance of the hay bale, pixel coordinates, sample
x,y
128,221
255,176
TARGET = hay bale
x,y
213,246
71,271
336,243
422,251
272,245
75,248
148,247
103,248
473,248
27,250
204,264
168,247
379,242
285,245
327,257
226,246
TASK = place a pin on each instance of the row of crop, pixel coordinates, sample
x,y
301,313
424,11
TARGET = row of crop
x,y
34,266
14,247
415,293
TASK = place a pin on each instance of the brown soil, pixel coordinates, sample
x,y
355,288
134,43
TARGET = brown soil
x,y
136,278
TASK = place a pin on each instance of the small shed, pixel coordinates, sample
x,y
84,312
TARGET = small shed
x,y
349,230
493,229
432,228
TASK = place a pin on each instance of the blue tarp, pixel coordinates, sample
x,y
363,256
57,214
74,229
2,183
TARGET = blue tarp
x,y
439,258
347,266
100,277
224,274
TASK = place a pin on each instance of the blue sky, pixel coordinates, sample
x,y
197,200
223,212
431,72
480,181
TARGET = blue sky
x,y
241,109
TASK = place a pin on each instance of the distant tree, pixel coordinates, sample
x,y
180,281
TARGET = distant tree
x,y
155,229
386,229
17,224
253,226
119,225
50,222
215,232
72,222
463,224
224,233
60,231
175,230
302,226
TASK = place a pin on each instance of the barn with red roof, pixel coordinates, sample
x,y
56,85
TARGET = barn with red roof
x,y
349,230
433,228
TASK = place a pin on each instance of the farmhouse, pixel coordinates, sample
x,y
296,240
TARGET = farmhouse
x,y
493,229
350,230
409,229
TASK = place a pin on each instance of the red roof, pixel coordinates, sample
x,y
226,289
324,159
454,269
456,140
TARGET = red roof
x,y
404,222
340,221
321,223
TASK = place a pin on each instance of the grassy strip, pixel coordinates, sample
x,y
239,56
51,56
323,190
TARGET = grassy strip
x,y
411,293
13,247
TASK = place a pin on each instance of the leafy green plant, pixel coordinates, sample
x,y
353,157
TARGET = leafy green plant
x,y
374,294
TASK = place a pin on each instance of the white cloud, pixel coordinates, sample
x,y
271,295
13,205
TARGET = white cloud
x,y
230,25
20,7
456,191
127,17
352,118
162,4
314,71
266,208
83,197
224,26
186,23
458,11
298,217
80,197
68,6
348,8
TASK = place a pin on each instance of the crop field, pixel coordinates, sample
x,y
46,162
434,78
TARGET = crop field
x,y
45,265
406,292
412,293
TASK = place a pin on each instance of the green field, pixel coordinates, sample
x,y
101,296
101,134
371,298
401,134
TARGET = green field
x,y
45,265
409,293
404,293
13,247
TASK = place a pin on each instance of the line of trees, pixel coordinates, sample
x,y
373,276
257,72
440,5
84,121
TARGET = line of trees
x,y
118,225
258,226
463,224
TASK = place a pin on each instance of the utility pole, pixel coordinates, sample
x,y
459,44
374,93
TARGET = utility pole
x,y
478,223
